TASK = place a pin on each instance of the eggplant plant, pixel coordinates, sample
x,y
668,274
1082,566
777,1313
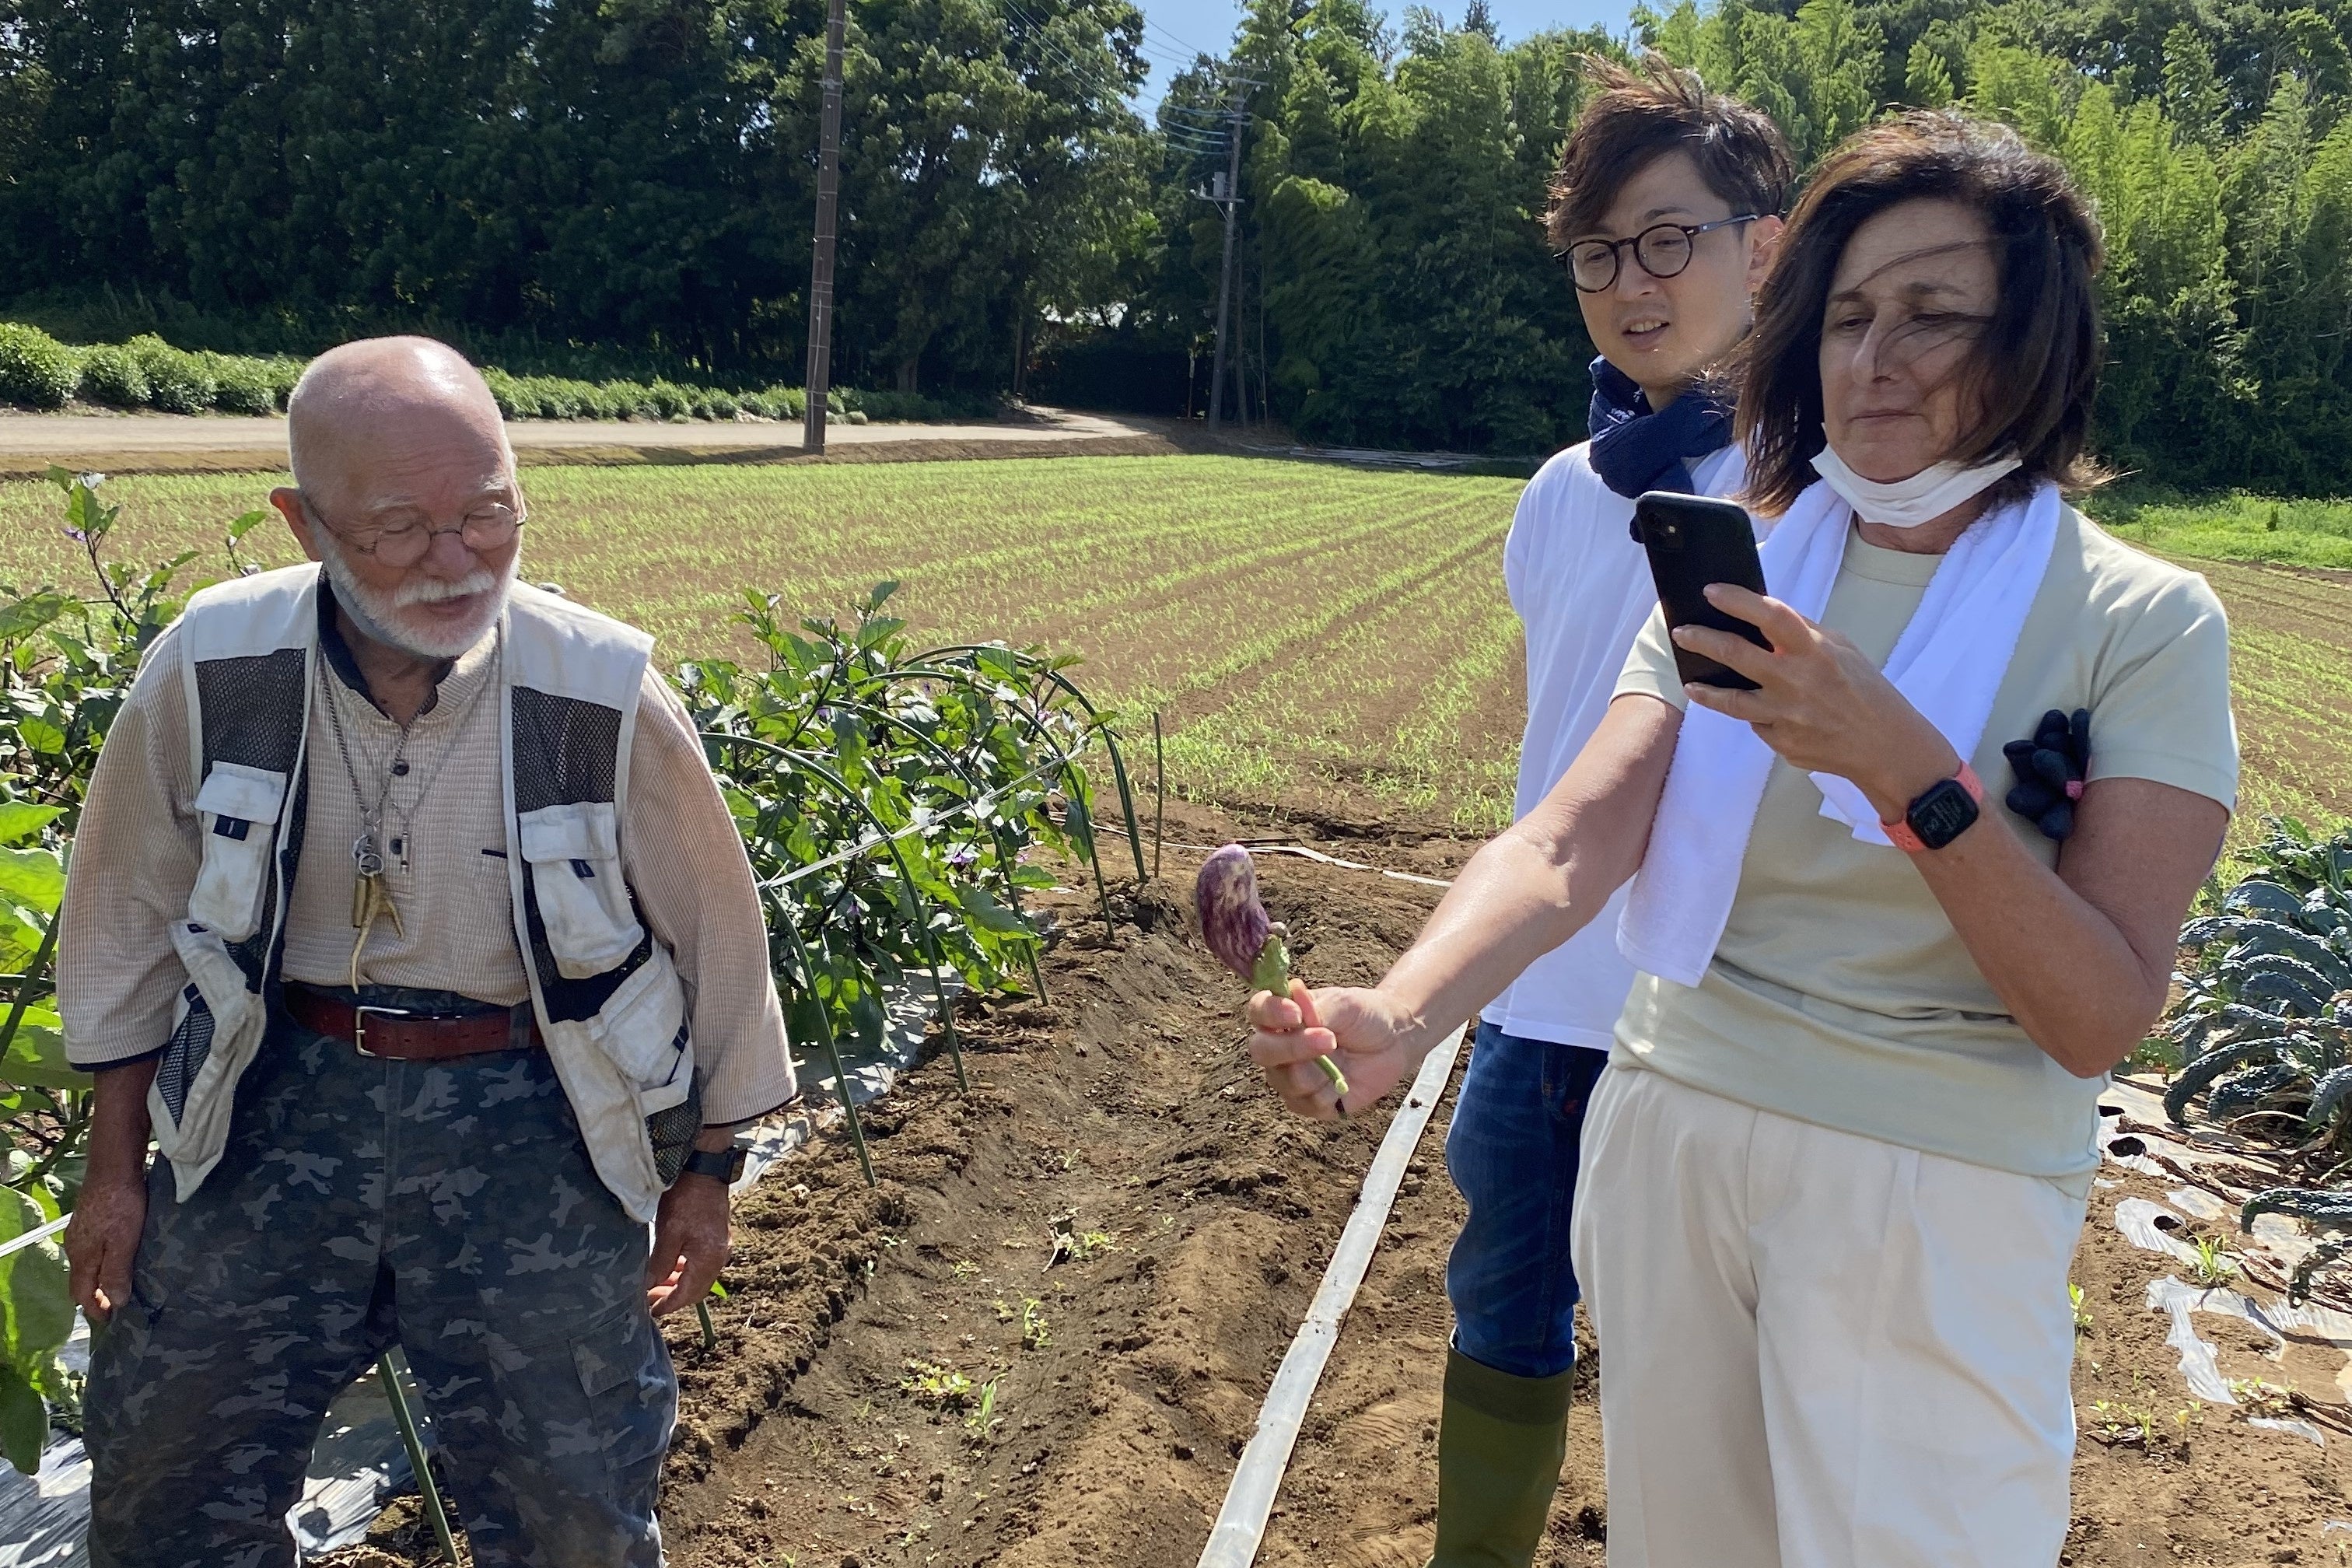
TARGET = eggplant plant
x,y
889,798
66,664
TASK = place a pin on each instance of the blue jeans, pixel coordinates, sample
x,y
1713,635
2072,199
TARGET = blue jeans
x,y
1512,1155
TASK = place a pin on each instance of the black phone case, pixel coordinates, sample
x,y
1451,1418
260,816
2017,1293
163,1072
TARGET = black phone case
x,y
1693,541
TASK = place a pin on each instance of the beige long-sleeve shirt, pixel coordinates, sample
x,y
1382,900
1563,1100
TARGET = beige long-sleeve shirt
x,y
137,850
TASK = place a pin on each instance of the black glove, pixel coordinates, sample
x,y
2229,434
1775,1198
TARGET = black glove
x,y
2050,770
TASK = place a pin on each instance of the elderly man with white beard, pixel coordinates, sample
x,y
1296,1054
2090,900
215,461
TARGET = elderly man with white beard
x,y
406,918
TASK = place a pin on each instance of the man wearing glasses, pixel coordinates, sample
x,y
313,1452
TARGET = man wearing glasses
x,y
406,918
1664,213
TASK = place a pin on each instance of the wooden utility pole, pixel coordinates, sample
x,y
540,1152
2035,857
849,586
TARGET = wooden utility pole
x,y
1231,197
819,379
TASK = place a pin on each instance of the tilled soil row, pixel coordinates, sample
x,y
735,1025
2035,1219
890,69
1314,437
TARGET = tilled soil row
x,y
1043,1338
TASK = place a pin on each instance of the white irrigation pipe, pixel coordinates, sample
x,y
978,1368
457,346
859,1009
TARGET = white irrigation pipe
x,y
18,1243
1316,855
1241,1523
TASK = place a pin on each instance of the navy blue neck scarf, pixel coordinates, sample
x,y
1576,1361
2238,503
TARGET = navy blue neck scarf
x,y
1634,449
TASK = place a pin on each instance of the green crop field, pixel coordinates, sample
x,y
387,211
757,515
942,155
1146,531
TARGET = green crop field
x,y
1310,634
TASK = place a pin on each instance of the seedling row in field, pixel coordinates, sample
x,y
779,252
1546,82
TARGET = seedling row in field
x,y
1309,633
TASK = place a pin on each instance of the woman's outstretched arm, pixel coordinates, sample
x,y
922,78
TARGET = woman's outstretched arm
x,y
1526,891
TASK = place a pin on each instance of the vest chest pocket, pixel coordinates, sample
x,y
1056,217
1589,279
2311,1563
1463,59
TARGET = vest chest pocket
x,y
574,854
238,808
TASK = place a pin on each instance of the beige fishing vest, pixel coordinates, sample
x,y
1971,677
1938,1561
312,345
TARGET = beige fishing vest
x,y
610,1003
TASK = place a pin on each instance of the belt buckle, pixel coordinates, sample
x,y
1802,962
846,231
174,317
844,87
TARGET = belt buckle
x,y
359,1026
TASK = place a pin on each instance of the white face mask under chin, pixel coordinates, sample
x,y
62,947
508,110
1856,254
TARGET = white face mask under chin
x,y
1921,499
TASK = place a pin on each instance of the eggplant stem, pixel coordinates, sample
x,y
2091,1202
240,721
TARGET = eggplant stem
x,y
1272,972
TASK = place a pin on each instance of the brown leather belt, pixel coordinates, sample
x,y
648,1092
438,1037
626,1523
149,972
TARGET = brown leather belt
x,y
399,1036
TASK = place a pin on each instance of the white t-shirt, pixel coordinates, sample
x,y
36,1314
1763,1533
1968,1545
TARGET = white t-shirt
x,y
1583,589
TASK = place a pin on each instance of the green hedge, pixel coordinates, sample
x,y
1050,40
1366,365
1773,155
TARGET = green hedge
x,y
38,371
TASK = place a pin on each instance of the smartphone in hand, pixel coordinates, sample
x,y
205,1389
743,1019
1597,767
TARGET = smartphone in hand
x,y
1693,541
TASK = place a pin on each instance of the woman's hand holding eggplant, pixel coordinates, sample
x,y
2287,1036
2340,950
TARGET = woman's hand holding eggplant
x,y
1820,703
1356,1028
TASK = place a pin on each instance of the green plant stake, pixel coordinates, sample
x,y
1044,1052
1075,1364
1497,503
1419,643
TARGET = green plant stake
x,y
391,1369
921,918
1158,794
31,977
832,1050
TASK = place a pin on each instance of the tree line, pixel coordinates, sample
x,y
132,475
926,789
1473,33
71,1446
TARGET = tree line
x,y
552,177
533,177
1395,273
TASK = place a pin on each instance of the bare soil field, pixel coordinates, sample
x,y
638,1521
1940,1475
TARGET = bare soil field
x,y
1043,1339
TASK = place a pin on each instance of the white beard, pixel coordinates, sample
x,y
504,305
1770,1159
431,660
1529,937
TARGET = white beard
x,y
378,615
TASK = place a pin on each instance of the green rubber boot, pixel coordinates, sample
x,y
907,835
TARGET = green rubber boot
x,y
1500,1442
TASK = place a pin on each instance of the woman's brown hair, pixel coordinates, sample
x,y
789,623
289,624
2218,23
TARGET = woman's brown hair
x,y
2037,361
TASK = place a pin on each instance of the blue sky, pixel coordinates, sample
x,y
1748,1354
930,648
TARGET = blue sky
x,y
1175,27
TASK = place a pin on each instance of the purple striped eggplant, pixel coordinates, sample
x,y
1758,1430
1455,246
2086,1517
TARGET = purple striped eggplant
x,y
1233,923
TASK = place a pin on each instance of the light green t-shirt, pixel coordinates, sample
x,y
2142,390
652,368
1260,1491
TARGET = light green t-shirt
x,y
1840,993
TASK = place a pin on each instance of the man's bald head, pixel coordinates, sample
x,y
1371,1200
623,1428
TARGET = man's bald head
x,y
369,413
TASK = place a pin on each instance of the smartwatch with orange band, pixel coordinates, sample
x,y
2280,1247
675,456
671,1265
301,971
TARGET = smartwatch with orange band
x,y
1943,811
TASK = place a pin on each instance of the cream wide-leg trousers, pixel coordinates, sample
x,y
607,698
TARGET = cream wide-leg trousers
x,y
1819,1349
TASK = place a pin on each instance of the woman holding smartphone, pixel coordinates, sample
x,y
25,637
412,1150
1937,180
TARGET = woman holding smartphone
x,y
1840,1155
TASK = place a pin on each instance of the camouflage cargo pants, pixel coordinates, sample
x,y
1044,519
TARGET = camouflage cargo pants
x,y
446,1206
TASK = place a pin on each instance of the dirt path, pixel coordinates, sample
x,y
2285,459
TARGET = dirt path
x,y
1043,1342
165,443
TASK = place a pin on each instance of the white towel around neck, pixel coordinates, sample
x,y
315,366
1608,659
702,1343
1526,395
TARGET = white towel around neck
x,y
1948,664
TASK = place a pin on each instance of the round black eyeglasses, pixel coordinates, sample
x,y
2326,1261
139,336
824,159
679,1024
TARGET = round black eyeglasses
x,y
1662,249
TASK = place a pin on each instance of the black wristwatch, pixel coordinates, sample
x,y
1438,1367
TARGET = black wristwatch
x,y
722,1165
1943,811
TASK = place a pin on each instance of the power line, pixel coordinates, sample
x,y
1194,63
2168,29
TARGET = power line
x,y
1089,75
1151,26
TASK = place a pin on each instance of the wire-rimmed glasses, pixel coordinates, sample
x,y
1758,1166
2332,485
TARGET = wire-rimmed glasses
x,y
488,527
1664,250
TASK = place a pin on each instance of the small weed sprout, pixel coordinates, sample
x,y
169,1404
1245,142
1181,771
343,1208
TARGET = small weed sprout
x,y
977,1423
1004,1314
964,1269
1036,1334
2081,1312
940,1387
2119,1425
1086,1244
2211,1266
2261,1399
